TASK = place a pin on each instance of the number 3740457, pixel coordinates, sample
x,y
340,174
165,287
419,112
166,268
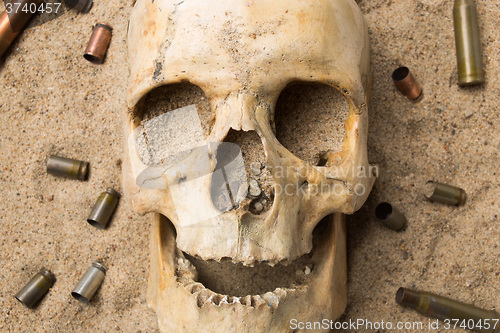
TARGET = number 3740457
x,y
32,7
483,325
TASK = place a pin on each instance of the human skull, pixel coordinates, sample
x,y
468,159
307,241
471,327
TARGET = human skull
x,y
242,55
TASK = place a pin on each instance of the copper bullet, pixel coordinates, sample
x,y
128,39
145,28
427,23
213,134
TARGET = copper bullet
x,y
98,44
11,24
407,84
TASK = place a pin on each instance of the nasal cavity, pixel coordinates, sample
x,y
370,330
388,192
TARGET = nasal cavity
x,y
241,173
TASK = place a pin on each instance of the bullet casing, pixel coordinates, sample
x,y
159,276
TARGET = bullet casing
x,y
12,24
98,44
407,85
444,193
89,283
390,216
67,167
36,288
103,208
440,307
82,6
467,42
323,159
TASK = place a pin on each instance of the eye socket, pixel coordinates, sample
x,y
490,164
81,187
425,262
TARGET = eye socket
x,y
175,96
310,119
171,121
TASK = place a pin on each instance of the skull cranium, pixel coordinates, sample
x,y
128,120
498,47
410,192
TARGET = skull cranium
x,y
242,56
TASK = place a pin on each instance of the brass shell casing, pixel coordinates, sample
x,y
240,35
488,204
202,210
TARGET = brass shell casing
x,y
468,44
82,6
443,308
444,193
103,208
89,283
98,43
391,217
12,24
406,83
67,167
36,288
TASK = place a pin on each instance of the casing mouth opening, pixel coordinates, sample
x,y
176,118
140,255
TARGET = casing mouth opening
x,y
93,59
79,297
400,74
95,224
383,211
20,301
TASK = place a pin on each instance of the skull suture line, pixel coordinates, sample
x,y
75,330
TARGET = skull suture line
x,y
242,55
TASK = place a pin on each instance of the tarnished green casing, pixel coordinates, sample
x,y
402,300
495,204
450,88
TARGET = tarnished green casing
x,y
468,45
67,167
446,194
440,307
390,216
103,208
82,6
34,290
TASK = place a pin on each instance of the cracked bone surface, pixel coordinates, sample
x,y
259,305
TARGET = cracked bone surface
x,y
276,79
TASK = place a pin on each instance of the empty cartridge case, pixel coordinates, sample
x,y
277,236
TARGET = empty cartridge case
x,y
82,6
444,193
323,159
103,209
467,42
406,83
13,22
435,306
67,167
89,283
390,216
98,44
36,288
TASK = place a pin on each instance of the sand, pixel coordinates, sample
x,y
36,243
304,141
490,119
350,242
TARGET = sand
x,y
52,101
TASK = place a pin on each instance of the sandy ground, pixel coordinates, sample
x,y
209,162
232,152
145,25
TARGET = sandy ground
x,y
52,101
